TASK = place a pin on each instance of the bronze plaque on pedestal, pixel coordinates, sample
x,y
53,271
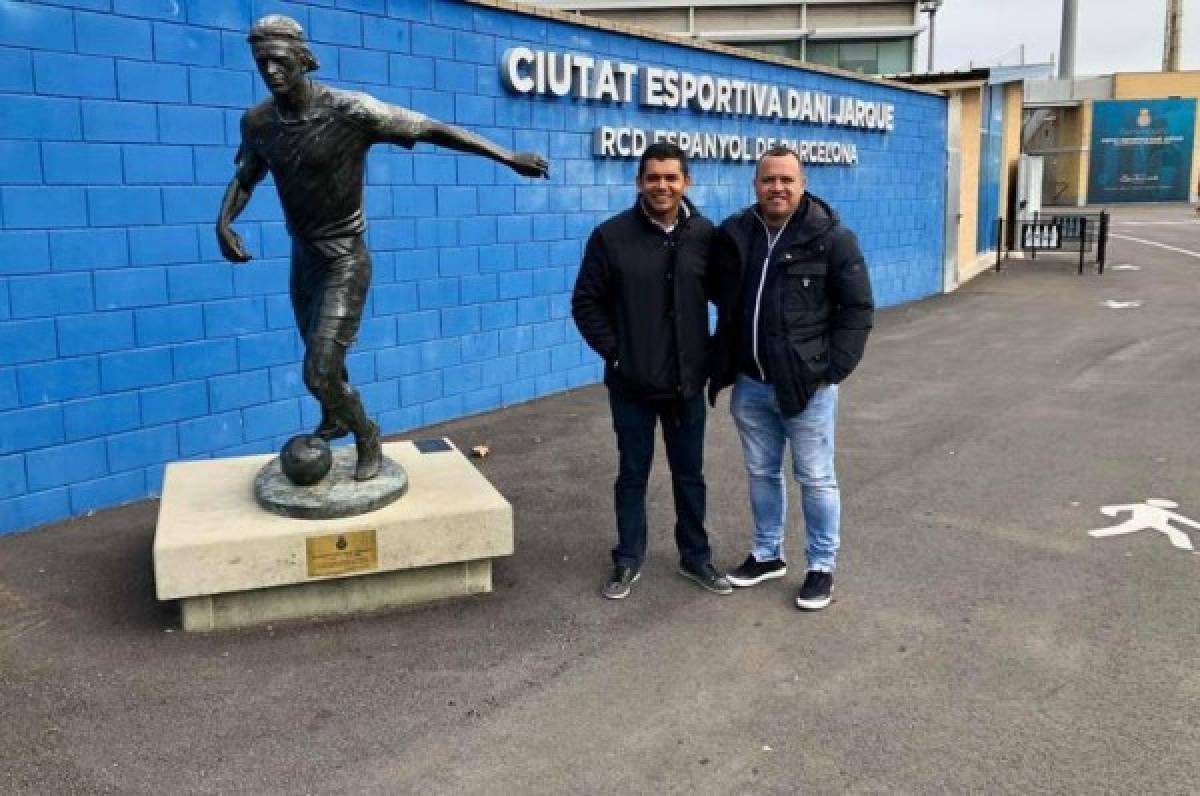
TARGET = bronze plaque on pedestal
x,y
341,553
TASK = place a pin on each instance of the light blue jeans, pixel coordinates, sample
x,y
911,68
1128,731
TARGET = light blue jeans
x,y
765,431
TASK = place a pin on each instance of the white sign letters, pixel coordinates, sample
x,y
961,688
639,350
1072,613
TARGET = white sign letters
x,y
630,142
544,72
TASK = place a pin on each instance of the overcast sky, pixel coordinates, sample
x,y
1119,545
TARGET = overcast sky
x,y
1113,35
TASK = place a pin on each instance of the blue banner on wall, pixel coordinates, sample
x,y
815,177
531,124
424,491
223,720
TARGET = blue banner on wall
x,y
1141,150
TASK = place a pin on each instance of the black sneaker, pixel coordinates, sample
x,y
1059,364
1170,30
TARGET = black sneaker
x,y
816,592
706,577
619,582
753,572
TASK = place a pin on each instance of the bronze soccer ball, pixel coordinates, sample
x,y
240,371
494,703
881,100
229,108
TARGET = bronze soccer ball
x,y
305,459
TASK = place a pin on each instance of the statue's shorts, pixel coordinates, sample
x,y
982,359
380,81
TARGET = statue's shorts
x,y
329,287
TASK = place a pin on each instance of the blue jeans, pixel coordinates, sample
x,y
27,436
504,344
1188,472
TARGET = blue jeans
x,y
764,431
683,432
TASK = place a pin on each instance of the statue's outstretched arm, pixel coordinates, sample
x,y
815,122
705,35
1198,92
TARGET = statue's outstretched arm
x,y
527,164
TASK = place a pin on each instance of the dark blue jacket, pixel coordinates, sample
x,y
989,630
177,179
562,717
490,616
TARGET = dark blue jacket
x,y
641,303
815,307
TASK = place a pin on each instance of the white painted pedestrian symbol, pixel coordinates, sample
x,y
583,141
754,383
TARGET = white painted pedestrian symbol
x,y
1152,515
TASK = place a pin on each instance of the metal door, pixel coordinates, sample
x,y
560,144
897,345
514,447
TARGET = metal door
x,y
991,157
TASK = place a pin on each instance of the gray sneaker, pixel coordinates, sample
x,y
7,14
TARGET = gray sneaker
x,y
707,577
619,582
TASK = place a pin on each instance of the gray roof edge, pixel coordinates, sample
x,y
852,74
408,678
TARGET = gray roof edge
x,y
993,75
667,38
1019,72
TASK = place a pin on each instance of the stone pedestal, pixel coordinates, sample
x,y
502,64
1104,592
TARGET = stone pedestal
x,y
232,564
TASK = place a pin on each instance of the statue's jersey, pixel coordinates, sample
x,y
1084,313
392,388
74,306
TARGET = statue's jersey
x,y
318,160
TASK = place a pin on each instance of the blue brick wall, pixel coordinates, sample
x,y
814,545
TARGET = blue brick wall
x,y
127,342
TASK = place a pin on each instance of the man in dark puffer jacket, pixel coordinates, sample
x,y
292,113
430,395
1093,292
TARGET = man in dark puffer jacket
x,y
641,302
794,311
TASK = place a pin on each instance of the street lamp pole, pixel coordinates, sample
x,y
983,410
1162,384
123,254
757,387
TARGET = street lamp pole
x,y
1066,47
930,7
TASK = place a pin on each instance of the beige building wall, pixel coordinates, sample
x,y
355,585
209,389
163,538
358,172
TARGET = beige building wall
x,y
699,18
1068,167
1161,85
1155,85
758,18
1085,149
749,18
844,32
863,16
664,20
968,183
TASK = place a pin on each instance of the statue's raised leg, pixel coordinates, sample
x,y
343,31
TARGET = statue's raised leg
x,y
324,367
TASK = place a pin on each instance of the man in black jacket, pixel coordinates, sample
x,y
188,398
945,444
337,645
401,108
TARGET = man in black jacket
x,y
794,311
641,302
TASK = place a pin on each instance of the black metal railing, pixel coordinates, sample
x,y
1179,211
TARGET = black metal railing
x,y
1057,232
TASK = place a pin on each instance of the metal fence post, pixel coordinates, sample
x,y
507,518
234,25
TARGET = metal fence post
x,y
999,242
1082,242
1102,242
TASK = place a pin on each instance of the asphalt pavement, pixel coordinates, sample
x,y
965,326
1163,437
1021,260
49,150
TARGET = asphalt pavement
x,y
980,639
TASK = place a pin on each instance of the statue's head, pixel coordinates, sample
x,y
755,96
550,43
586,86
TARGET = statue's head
x,y
281,53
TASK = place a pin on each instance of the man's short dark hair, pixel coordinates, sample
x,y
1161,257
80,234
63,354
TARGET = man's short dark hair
x,y
780,151
663,150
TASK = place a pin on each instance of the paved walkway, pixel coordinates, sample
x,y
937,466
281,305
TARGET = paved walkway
x,y
981,640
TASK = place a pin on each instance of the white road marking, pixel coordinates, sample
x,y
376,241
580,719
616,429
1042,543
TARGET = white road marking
x,y
1121,305
1125,267
1188,252
1150,515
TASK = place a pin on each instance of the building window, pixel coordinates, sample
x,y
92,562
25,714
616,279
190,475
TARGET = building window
x,y
823,52
895,56
875,57
786,49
